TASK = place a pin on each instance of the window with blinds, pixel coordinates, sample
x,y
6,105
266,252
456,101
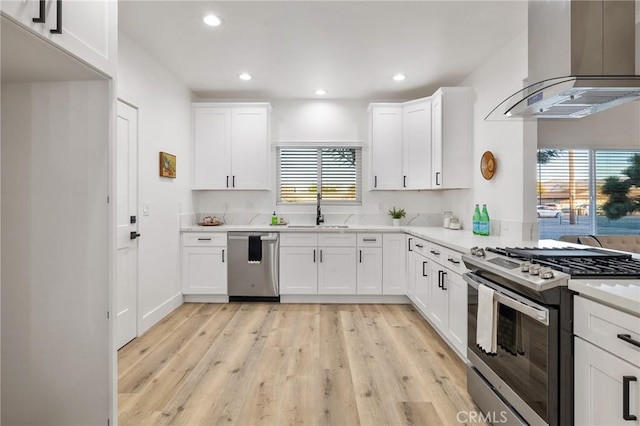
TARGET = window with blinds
x,y
572,199
336,171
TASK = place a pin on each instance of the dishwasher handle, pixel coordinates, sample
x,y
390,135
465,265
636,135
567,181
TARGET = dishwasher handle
x,y
246,237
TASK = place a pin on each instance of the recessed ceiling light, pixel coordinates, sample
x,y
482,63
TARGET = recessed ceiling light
x,y
212,20
321,92
244,76
399,77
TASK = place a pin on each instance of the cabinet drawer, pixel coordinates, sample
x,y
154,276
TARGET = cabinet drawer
x,y
206,239
607,327
453,260
437,253
336,240
419,246
295,239
369,240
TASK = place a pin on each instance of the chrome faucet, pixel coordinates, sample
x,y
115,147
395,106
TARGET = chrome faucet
x,y
319,217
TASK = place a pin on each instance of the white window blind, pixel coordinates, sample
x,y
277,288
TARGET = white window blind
x,y
336,171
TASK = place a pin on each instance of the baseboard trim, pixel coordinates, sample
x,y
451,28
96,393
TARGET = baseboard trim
x,y
152,317
358,299
206,298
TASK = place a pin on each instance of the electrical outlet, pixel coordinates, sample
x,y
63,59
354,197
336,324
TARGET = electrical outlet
x,y
380,206
145,209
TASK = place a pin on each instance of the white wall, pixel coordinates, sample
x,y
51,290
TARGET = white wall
x,y
55,252
164,117
616,128
510,195
319,121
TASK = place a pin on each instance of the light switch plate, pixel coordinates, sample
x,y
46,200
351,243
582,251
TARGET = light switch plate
x,y
145,209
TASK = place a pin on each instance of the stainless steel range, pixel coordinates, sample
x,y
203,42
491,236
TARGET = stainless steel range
x,y
527,377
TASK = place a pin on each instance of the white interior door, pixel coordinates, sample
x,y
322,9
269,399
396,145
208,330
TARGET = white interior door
x,y
127,224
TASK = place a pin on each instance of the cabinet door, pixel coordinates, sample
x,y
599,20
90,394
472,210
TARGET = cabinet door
x,y
456,288
386,151
599,387
212,140
439,297
411,271
250,149
421,292
394,264
369,271
89,28
416,141
204,270
337,270
436,141
298,270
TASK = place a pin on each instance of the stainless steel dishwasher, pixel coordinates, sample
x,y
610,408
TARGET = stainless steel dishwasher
x,y
255,280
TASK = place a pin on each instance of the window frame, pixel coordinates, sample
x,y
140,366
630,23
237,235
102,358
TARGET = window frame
x,y
319,146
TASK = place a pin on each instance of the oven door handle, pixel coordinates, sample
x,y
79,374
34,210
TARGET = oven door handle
x,y
537,314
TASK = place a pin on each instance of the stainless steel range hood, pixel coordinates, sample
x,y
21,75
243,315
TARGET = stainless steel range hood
x,y
581,60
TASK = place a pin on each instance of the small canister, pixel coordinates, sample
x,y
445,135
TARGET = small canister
x,y
447,219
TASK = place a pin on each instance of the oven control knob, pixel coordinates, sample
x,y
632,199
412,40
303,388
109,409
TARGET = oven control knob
x,y
480,252
474,250
525,267
546,273
534,269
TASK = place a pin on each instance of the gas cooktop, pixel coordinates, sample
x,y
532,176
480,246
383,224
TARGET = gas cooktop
x,y
576,262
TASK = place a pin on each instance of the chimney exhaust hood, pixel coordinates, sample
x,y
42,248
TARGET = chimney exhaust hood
x,y
581,58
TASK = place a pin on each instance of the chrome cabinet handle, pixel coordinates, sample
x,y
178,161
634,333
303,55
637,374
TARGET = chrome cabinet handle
x,y
42,12
424,274
444,273
437,180
627,338
58,28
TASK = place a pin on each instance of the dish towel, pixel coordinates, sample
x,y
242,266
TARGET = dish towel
x,y
487,321
255,249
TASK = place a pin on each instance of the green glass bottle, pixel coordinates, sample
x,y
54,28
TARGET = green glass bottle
x,y
485,223
476,220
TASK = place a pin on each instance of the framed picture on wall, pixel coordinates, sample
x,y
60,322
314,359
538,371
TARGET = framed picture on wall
x,y
167,165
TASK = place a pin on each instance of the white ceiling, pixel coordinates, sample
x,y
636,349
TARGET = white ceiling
x,y
352,49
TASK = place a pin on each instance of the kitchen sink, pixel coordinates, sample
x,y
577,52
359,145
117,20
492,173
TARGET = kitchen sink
x,y
318,226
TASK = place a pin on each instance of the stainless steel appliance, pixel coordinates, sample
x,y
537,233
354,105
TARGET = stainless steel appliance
x,y
529,379
247,276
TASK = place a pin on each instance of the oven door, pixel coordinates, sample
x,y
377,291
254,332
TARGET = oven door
x,y
524,369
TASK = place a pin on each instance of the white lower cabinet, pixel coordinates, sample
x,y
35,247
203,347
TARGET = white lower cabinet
x,y
421,287
606,365
602,381
204,270
337,270
298,270
394,264
439,303
457,301
369,270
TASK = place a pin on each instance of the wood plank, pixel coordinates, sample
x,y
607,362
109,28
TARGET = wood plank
x,y
272,364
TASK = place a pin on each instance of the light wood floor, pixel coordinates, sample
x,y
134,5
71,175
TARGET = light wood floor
x,y
280,364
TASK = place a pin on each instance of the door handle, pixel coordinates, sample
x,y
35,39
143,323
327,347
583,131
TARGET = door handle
x,y
434,252
375,181
404,181
58,28
627,338
314,256
409,243
626,381
222,255
233,181
42,12
454,261
133,235
439,279
444,273
437,180
360,256
320,256
424,274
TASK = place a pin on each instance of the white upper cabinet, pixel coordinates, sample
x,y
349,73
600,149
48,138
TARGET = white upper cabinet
x,y
86,29
231,146
422,144
451,142
416,144
386,142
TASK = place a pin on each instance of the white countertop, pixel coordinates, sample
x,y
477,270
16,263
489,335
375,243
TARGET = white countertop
x,y
621,293
618,293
